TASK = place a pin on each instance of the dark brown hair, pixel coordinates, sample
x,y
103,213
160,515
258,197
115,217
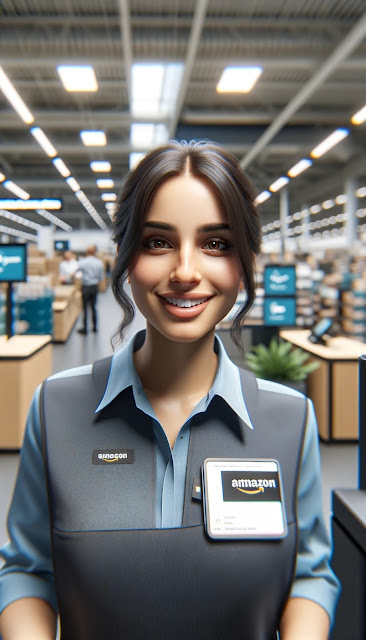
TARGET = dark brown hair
x,y
233,190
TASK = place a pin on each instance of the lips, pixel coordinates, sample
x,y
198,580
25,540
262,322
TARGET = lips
x,y
185,303
185,308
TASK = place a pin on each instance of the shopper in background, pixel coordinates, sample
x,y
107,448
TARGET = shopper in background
x,y
91,271
67,268
107,521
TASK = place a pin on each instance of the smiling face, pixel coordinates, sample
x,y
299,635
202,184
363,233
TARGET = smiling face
x,y
185,278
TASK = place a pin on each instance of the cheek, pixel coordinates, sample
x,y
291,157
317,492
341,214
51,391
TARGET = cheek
x,y
146,272
225,275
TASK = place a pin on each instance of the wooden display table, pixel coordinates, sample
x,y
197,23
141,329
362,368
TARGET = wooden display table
x,y
333,387
24,362
66,310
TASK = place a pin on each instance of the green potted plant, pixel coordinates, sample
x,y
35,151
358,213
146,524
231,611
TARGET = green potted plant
x,y
281,362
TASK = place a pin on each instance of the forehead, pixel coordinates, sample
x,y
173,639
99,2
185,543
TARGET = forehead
x,y
185,199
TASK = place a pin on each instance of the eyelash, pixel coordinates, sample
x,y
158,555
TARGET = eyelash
x,y
149,242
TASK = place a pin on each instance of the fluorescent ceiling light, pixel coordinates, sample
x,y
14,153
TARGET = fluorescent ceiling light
x,y
155,89
73,184
238,79
329,142
278,184
11,186
111,207
341,199
109,197
359,117
77,77
328,204
44,142
30,237
262,197
49,216
100,166
146,135
299,167
105,183
2,177
315,208
90,209
14,218
61,167
18,205
134,159
361,192
93,138
14,98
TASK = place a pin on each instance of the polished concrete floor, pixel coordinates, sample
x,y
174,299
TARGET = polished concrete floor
x,y
339,461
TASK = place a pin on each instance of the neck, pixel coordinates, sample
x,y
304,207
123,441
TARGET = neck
x,y
177,368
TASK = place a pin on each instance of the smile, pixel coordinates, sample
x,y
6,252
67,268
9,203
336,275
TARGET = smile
x,y
185,303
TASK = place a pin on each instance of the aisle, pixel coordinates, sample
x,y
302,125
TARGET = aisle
x,y
80,349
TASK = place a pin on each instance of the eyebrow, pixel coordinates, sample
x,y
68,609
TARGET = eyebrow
x,y
203,228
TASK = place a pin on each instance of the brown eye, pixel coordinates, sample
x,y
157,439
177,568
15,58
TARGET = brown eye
x,y
156,244
216,245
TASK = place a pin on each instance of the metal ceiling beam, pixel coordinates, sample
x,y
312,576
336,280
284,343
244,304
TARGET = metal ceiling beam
x,y
193,43
172,21
125,25
54,120
8,60
69,151
349,43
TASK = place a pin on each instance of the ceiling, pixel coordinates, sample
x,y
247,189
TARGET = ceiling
x,y
313,56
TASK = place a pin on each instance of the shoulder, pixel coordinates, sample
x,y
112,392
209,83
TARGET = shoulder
x,y
277,387
72,373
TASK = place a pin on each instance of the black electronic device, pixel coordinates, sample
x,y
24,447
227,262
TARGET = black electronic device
x,y
319,329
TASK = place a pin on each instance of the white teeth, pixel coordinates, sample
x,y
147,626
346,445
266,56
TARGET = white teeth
x,y
180,302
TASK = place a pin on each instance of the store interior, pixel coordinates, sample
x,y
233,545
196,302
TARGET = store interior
x,y
282,87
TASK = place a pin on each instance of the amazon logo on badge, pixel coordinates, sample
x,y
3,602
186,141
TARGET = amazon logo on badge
x,y
254,486
113,456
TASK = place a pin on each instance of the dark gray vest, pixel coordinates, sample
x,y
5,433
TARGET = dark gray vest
x,y
117,576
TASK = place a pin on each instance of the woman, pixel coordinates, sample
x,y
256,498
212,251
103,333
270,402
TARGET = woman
x,y
123,444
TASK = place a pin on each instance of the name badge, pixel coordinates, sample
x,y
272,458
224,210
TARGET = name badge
x,y
243,499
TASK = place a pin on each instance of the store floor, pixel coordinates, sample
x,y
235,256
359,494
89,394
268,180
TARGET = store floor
x,y
339,461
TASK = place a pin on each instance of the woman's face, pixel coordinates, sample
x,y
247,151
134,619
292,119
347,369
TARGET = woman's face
x,y
185,278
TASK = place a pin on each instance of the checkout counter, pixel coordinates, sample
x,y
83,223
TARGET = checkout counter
x,y
333,387
25,361
349,539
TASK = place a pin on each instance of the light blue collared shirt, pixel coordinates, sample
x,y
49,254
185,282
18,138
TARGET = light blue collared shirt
x,y
28,559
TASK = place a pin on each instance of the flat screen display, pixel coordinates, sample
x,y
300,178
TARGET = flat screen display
x,y
280,280
279,312
13,262
61,245
319,329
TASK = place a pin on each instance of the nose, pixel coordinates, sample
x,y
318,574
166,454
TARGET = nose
x,y
186,269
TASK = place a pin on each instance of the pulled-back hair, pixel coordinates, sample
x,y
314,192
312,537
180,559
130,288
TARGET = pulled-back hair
x,y
235,195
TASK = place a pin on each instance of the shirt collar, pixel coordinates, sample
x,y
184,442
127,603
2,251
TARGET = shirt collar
x,y
227,383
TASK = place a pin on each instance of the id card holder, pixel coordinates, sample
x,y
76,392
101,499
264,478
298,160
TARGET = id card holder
x,y
243,499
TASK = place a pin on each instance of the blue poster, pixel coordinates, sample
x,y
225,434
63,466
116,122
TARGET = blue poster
x,y
280,311
280,280
13,262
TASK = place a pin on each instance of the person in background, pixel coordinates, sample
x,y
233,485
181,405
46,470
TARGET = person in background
x,y
91,271
67,268
107,525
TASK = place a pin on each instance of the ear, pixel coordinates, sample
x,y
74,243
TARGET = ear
x,y
128,279
241,286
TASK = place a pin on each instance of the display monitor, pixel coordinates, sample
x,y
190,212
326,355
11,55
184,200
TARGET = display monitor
x,y
13,262
280,280
319,329
279,312
61,245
